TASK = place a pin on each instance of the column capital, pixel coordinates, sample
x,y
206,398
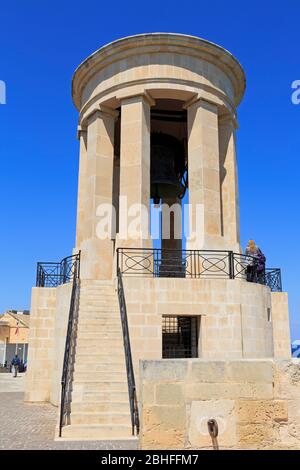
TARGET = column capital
x,y
227,119
108,111
139,95
96,113
199,101
81,132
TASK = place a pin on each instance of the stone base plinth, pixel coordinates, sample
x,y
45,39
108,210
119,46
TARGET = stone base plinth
x,y
255,403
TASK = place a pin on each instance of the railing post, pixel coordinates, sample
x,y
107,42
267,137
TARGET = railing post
x,y
78,264
154,262
64,271
231,264
38,274
279,280
118,264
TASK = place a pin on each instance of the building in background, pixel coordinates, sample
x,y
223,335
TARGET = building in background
x,y
14,328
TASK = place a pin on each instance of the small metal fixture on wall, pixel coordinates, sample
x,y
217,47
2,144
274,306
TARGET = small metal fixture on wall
x,y
213,431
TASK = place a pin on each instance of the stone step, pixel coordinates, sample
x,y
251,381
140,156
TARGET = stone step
x,y
100,407
91,312
96,343
104,331
100,357
100,332
97,282
88,304
99,307
100,319
100,396
101,323
100,375
105,325
96,314
101,300
103,346
99,350
113,366
105,354
99,295
101,335
105,417
98,431
99,385
114,323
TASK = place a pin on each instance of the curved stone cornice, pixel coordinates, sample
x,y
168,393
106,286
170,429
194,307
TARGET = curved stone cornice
x,y
155,43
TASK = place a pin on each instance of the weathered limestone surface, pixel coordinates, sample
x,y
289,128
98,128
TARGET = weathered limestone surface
x,y
255,402
204,175
234,322
95,190
281,328
47,336
230,216
135,169
41,344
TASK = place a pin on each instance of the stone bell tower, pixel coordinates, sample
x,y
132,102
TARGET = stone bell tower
x,y
157,125
157,84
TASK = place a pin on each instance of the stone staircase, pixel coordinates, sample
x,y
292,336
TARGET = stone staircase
x,y
100,404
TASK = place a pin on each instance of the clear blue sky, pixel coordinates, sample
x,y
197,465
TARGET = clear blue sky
x,y
41,44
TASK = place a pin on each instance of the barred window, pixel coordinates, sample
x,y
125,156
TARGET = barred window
x,y
179,337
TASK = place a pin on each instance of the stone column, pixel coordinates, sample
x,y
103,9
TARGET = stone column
x,y
134,172
97,253
82,187
229,183
204,175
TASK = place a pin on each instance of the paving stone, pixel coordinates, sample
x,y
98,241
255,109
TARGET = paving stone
x,y
32,426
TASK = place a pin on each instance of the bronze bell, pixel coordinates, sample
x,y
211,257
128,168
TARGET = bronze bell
x,y
167,166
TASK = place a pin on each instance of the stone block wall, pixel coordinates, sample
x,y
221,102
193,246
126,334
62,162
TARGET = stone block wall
x,y
41,344
281,325
47,336
255,402
235,316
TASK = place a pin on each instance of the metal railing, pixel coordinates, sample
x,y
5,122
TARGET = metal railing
x,y
272,279
51,274
135,423
208,264
70,345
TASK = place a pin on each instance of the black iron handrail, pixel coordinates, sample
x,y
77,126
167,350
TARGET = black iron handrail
x,y
69,355
52,274
135,423
209,264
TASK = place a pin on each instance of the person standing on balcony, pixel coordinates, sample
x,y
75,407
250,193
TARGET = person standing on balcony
x,y
261,267
252,253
